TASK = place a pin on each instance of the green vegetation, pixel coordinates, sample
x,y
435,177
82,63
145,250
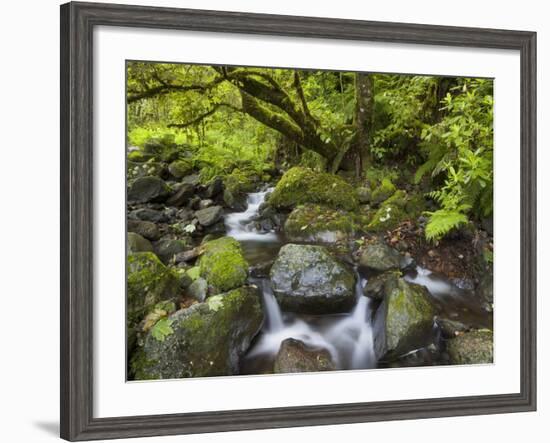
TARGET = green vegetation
x,y
432,133
222,264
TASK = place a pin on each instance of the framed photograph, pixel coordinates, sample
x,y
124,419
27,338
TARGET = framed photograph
x,y
273,221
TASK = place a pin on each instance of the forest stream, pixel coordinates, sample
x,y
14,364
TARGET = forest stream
x,y
290,221
347,337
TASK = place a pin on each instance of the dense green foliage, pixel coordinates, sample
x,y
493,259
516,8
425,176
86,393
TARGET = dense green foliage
x,y
432,136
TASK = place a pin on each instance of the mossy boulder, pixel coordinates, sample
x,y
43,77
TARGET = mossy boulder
x,y
206,339
138,156
383,191
404,320
470,348
295,356
148,283
222,264
137,243
390,213
148,189
302,185
180,168
316,223
379,257
307,279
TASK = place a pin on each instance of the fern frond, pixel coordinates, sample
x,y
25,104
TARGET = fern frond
x,y
442,221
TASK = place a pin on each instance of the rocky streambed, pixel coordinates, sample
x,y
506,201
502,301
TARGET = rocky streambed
x,y
280,280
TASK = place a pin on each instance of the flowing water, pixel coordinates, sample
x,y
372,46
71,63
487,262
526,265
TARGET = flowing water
x,y
348,337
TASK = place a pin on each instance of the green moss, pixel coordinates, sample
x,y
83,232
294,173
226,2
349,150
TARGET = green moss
x,y
240,181
383,191
181,168
222,264
312,222
396,209
138,156
301,185
205,339
148,283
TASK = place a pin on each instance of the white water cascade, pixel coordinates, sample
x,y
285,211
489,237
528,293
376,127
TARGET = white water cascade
x,y
348,337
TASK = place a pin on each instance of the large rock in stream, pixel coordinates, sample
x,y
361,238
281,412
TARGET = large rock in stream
x,y
206,339
404,320
307,279
295,356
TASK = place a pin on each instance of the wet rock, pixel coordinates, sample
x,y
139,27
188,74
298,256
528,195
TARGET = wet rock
x,y
185,214
295,356
148,189
214,188
205,203
147,214
146,229
261,270
379,286
380,257
234,200
198,289
307,279
209,216
451,328
206,339
168,249
484,290
181,196
473,347
137,243
403,321
222,264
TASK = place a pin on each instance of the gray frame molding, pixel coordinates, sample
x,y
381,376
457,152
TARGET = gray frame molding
x,y
77,24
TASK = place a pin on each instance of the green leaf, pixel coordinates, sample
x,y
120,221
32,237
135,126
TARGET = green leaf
x,y
162,329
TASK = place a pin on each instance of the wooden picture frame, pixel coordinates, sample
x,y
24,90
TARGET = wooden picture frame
x,y
77,23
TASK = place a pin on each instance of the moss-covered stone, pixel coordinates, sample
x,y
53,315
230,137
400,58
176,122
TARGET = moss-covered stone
x,y
148,283
475,347
390,214
318,223
383,191
301,185
222,264
403,321
180,168
307,279
206,339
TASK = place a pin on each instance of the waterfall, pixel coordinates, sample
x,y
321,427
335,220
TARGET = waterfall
x,y
347,337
